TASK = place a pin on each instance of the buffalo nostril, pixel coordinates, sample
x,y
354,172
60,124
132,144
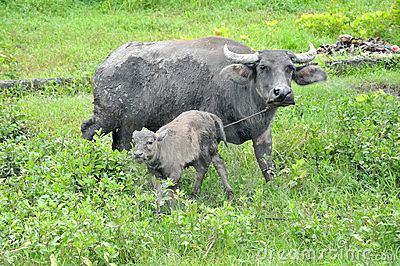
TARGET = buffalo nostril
x,y
276,92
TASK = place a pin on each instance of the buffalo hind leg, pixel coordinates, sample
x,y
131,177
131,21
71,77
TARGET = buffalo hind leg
x,y
89,128
92,127
219,165
263,149
122,138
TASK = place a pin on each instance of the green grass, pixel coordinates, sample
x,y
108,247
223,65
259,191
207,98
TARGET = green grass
x,y
66,201
65,39
61,197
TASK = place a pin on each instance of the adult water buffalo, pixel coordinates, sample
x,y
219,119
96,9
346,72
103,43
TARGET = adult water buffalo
x,y
149,84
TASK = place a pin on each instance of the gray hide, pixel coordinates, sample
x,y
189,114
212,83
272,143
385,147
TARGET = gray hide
x,y
189,140
149,84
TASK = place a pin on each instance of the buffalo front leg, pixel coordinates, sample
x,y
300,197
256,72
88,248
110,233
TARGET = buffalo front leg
x,y
220,167
263,149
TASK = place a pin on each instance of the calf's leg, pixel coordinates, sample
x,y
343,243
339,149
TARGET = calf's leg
x,y
201,169
219,165
158,187
176,177
169,192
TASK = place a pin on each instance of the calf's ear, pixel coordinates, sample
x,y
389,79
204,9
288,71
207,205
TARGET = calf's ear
x,y
238,73
162,134
309,74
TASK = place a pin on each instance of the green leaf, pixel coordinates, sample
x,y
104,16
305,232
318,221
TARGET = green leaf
x,y
106,255
361,98
53,260
87,261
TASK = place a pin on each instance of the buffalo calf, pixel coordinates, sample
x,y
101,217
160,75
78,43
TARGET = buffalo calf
x,y
191,139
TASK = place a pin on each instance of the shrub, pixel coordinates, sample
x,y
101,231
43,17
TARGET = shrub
x,y
370,24
365,25
12,123
325,22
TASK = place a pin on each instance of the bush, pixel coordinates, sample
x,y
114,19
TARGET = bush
x,y
12,123
370,24
365,25
324,22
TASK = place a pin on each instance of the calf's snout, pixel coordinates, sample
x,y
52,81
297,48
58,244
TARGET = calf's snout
x,y
138,154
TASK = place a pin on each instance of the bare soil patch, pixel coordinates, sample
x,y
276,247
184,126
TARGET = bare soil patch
x,y
390,89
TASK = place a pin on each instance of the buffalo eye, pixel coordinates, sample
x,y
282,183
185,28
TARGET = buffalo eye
x,y
150,142
264,67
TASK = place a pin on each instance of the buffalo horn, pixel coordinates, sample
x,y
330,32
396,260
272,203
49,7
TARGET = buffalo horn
x,y
240,58
305,57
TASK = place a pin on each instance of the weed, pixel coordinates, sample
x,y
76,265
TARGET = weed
x,y
12,122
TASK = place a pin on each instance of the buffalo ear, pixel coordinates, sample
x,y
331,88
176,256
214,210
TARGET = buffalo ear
x,y
309,74
238,73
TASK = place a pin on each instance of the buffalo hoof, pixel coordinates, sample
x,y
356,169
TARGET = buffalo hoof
x,y
268,175
230,195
